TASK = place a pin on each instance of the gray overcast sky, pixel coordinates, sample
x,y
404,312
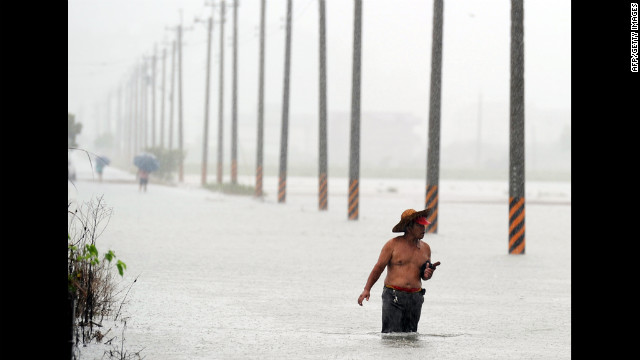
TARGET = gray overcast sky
x,y
106,38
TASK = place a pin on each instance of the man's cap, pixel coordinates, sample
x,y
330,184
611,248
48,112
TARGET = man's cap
x,y
409,215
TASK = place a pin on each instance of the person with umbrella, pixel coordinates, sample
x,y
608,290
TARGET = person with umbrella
x,y
101,162
146,163
144,179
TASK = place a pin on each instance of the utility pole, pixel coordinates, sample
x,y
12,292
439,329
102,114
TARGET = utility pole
x,y
141,90
122,119
153,95
135,82
136,104
119,120
163,94
131,150
139,102
181,28
354,150
172,91
479,134
221,103
147,101
234,104
282,183
177,48
516,133
108,113
145,79
322,143
131,114
126,126
260,137
433,148
172,85
205,142
180,147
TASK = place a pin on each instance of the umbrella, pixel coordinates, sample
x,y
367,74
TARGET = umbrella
x,y
103,159
146,162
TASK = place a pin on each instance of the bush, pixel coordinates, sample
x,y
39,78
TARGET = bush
x,y
169,160
230,188
91,279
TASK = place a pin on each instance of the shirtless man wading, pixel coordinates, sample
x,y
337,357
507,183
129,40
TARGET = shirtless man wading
x,y
404,257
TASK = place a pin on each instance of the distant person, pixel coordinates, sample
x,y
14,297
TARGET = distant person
x,y
144,179
407,259
71,170
99,168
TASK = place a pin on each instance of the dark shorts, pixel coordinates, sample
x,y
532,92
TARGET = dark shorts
x,y
401,310
143,181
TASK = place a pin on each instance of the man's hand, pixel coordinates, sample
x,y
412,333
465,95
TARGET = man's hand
x,y
365,295
428,271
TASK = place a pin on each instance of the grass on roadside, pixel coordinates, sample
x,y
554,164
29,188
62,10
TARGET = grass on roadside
x,y
230,188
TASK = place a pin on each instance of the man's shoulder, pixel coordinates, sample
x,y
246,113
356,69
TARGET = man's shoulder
x,y
391,242
425,246
394,239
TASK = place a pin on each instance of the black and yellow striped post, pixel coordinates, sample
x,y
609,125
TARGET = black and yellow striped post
x,y
516,133
431,201
282,182
258,192
234,171
352,212
282,187
433,148
354,150
322,134
516,225
322,192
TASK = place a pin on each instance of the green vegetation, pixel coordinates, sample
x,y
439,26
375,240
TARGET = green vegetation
x,y
93,292
229,188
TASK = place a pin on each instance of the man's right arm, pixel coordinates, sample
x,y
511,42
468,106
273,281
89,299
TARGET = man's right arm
x,y
378,268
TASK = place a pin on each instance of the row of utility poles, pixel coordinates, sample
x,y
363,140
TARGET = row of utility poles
x,y
234,124
133,133
136,117
133,129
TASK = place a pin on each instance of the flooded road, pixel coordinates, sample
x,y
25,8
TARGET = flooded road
x,y
232,277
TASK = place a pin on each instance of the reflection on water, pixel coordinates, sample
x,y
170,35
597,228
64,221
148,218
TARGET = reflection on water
x,y
410,340
401,340
442,335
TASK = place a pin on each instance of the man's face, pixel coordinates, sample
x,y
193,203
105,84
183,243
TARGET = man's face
x,y
418,230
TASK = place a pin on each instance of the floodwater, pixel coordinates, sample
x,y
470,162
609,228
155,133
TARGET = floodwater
x,y
233,277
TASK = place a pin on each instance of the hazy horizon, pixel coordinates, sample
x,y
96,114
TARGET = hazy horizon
x,y
106,40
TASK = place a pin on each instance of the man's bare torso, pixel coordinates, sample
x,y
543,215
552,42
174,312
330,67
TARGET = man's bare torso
x,y
403,269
